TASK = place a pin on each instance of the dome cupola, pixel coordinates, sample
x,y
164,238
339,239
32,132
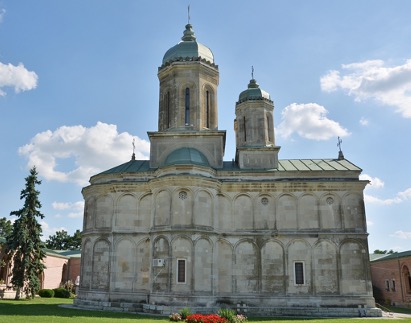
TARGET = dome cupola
x,y
188,49
253,92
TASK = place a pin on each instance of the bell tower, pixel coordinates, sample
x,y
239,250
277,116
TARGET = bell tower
x,y
188,112
254,128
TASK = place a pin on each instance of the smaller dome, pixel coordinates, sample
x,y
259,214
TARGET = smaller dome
x,y
253,93
186,156
188,47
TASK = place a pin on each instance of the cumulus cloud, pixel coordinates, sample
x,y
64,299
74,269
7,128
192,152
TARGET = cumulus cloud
x,y
47,231
375,182
364,121
309,121
88,151
373,80
402,234
397,199
17,77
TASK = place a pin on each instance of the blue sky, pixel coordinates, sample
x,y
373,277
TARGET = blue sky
x,y
78,81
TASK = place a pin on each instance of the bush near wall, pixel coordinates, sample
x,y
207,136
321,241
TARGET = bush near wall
x,y
47,293
61,293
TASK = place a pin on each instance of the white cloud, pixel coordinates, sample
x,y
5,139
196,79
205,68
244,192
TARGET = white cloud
x,y
373,80
402,234
47,231
17,77
364,121
89,150
2,13
309,121
399,198
68,205
375,182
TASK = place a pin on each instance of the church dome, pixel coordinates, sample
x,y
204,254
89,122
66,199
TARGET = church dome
x,y
186,156
188,47
253,93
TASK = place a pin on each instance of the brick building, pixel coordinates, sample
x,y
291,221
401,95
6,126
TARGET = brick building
x,y
391,278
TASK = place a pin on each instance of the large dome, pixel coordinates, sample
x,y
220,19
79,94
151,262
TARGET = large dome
x,y
188,47
186,156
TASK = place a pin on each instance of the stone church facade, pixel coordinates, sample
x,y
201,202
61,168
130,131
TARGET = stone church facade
x,y
187,229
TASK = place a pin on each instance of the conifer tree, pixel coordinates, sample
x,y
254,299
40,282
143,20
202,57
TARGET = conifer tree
x,y
24,242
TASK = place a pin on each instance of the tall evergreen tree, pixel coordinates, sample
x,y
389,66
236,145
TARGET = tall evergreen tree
x,y
24,242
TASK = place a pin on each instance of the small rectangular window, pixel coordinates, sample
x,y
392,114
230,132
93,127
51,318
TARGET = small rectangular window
x,y
299,273
387,285
393,285
181,271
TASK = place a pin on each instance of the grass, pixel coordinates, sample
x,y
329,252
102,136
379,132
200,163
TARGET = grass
x,y
46,310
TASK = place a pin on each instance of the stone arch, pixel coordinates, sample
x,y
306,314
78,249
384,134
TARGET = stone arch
x,y
145,211
308,212
209,108
142,274
125,264
286,212
325,268
203,208
299,251
101,265
182,249
353,259
353,211
224,270
243,212
182,207
246,267
103,211
203,265
269,128
406,279
194,104
126,212
330,217
272,268
263,212
161,250
162,208
224,214
87,264
89,207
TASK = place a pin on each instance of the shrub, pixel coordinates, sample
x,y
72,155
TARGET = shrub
x,y
201,318
175,317
46,293
239,318
227,313
185,312
61,293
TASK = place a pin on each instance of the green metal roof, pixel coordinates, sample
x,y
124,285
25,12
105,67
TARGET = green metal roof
x,y
193,156
188,47
393,256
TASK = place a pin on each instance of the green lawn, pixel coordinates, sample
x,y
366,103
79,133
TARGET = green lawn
x,y
44,310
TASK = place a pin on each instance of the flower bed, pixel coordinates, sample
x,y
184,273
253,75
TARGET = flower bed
x,y
209,318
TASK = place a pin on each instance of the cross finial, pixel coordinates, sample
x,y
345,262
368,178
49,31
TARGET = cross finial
x,y
188,13
340,153
252,72
133,156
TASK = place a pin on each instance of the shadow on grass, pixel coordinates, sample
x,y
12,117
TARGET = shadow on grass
x,y
24,308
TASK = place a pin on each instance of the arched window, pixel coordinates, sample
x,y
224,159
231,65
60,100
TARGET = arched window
x,y
245,129
207,109
187,107
168,109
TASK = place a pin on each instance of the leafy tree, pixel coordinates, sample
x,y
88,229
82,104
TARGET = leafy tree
x,y
24,243
383,252
6,227
63,241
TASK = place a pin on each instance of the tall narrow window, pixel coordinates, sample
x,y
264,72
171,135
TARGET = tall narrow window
x,y
207,109
387,285
168,109
181,271
187,107
299,273
245,130
393,285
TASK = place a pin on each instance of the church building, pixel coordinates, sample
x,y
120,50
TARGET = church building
x,y
187,229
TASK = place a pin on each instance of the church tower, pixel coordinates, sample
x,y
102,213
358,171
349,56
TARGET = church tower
x,y
187,119
254,128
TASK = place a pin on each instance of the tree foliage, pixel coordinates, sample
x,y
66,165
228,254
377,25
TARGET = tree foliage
x,y
24,243
383,252
6,227
63,241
